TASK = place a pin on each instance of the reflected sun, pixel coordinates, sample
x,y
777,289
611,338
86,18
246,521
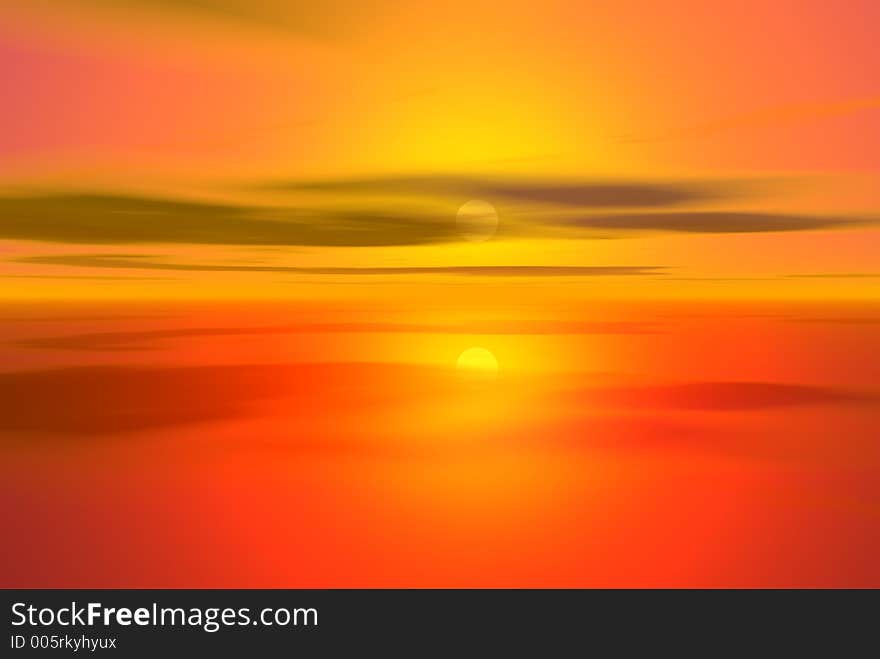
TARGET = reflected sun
x,y
477,364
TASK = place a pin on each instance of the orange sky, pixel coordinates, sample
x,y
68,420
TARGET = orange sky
x,y
750,107
235,279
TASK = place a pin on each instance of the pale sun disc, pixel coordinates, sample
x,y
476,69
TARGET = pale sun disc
x,y
477,363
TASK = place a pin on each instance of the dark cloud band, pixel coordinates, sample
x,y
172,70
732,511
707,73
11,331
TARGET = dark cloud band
x,y
105,219
712,222
596,194
411,211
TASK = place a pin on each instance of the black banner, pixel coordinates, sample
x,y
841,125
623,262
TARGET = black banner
x,y
179,622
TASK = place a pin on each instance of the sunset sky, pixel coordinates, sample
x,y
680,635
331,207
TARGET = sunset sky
x,y
244,245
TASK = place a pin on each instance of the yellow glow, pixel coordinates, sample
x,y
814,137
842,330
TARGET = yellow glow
x,y
478,363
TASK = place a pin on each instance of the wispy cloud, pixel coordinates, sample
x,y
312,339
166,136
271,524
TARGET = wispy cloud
x,y
107,219
566,192
385,212
145,262
325,20
87,277
722,396
147,339
839,320
837,275
713,222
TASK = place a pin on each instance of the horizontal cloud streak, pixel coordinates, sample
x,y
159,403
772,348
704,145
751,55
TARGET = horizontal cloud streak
x,y
326,20
87,277
713,222
143,340
837,275
407,211
564,192
142,262
107,219
722,396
